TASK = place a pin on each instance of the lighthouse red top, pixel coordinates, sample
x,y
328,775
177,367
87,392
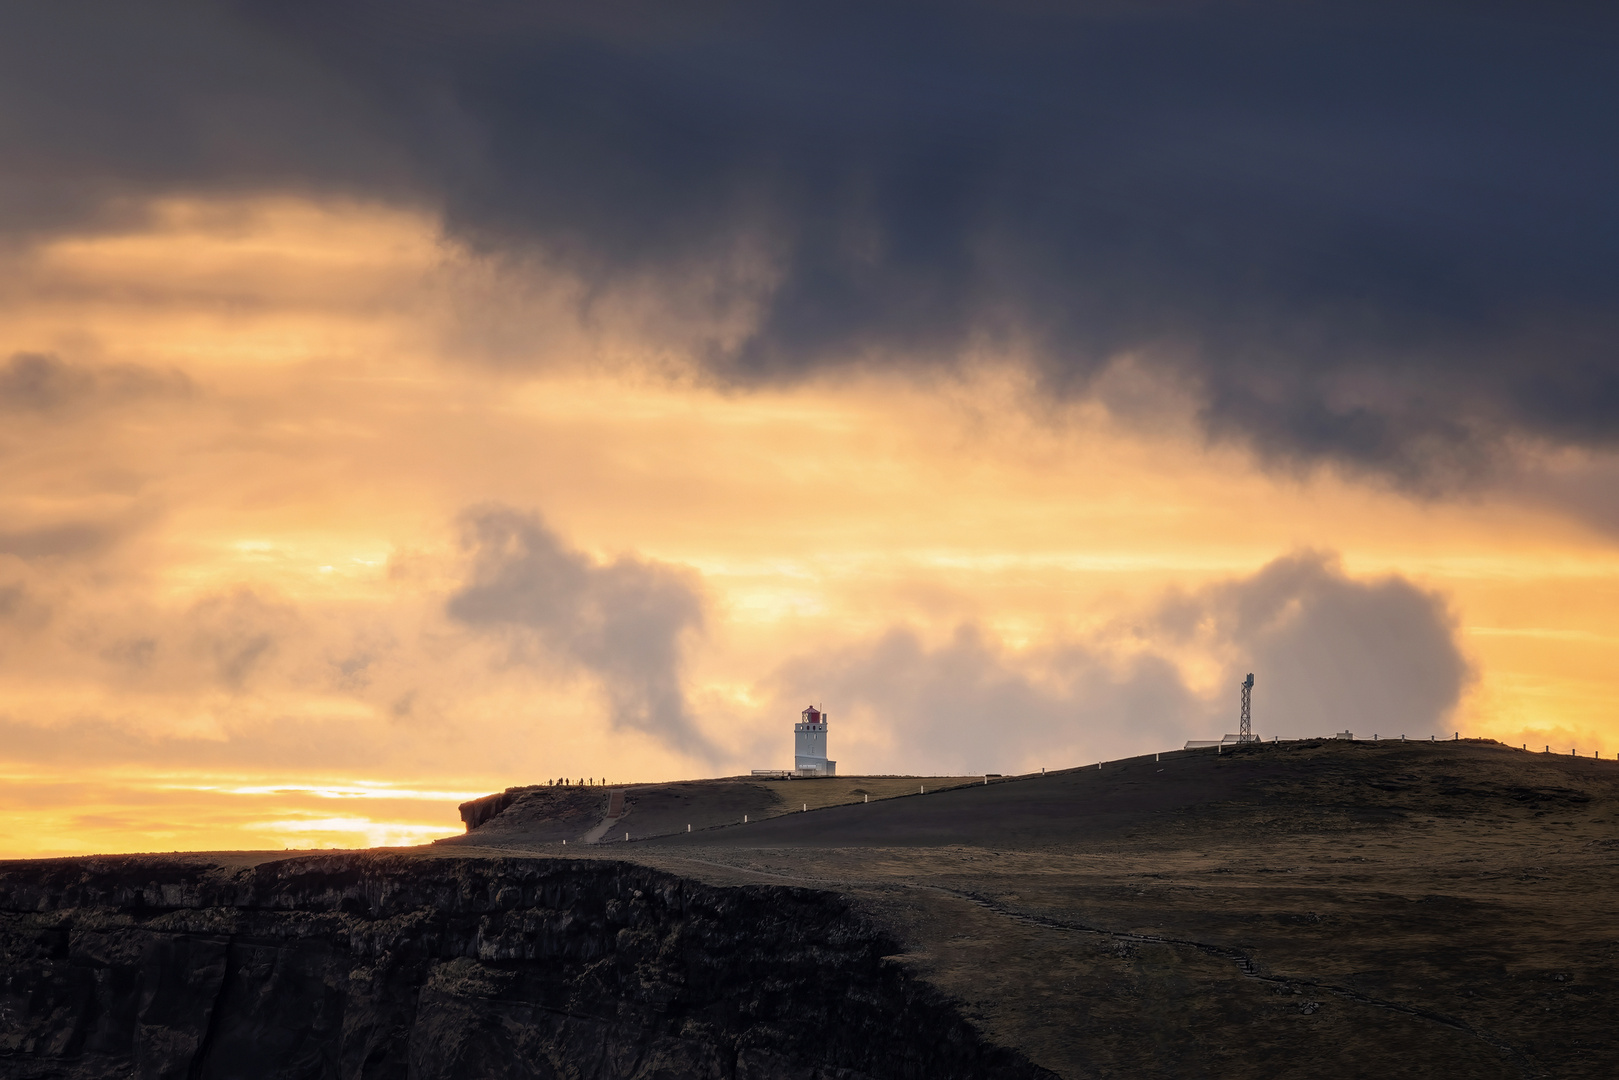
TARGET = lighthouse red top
x,y
812,715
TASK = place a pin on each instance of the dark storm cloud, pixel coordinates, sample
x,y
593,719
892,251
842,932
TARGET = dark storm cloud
x,y
1330,653
622,621
102,104
1385,235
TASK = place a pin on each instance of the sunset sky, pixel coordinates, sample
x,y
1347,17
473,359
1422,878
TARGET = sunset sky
x,y
401,401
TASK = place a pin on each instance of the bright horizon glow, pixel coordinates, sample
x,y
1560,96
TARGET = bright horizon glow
x,y
255,623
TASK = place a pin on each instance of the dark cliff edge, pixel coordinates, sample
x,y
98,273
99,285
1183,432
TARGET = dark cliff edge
x,y
475,812
543,814
364,965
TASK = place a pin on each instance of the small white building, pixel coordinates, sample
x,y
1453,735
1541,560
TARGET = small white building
x,y
1229,740
809,745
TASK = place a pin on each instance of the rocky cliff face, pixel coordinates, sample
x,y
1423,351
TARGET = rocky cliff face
x,y
475,812
387,966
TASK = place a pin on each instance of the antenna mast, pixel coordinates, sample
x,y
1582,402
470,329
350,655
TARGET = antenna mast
x,y
1245,733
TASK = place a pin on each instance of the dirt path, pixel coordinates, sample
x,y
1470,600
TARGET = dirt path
x,y
615,810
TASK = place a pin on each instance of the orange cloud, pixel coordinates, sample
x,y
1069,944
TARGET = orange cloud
x,y
228,595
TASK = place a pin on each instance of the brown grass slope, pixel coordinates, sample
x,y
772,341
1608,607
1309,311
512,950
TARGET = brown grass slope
x,y
1311,909
538,819
1317,909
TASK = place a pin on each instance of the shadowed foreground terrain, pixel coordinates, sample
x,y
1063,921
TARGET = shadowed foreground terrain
x,y
1312,909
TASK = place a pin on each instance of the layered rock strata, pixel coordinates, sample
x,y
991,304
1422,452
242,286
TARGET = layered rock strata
x,y
390,966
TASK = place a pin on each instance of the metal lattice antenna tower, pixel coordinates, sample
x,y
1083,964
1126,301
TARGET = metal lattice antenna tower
x,y
1245,733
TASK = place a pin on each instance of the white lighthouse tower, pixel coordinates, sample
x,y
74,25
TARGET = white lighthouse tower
x,y
809,745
